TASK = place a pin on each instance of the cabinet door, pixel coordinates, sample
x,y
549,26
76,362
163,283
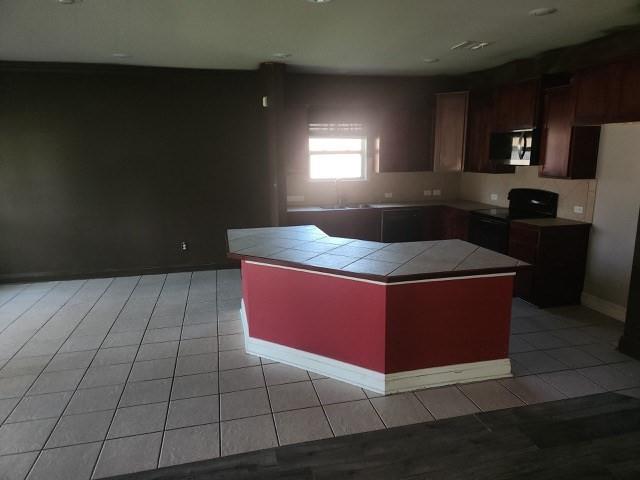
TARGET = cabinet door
x,y
479,124
455,224
450,131
627,107
432,223
406,141
555,138
516,105
359,224
595,91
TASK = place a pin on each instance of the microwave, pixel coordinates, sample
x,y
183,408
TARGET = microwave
x,y
516,147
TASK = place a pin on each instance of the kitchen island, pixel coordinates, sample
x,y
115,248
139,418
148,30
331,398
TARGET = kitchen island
x,y
386,317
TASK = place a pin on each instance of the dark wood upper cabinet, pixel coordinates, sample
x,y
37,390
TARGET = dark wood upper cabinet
x,y
627,105
608,94
566,150
450,131
516,106
405,139
479,123
595,95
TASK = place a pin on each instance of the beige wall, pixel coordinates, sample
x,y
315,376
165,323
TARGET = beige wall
x,y
480,187
404,187
615,219
468,186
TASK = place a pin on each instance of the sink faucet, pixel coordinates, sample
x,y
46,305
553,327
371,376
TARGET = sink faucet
x,y
339,197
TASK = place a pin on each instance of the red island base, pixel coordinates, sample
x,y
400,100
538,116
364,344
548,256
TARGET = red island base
x,y
385,337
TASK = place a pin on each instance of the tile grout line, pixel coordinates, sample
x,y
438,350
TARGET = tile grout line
x,y
273,418
35,302
40,450
115,410
322,406
175,366
21,289
46,321
218,376
21,397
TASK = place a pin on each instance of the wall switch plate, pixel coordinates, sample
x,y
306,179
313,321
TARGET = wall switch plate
x,y
578,209
388,195
494,196
436,192
427,193
265,102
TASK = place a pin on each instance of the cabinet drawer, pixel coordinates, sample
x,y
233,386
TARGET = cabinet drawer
x,y
523,251
522,234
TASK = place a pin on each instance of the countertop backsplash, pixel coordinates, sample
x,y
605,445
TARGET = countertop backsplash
x,y
425,186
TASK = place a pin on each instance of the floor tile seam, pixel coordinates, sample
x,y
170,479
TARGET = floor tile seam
x,y
95,463
112,280
175,366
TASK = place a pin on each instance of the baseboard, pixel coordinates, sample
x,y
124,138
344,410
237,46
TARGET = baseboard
x,y
369,379
605,307
49,276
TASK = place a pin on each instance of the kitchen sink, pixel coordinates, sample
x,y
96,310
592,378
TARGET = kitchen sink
x,y
347,207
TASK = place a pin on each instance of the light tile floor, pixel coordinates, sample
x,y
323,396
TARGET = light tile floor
x,y
109,376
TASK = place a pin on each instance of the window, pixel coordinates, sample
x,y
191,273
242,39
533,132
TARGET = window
x,y
332,158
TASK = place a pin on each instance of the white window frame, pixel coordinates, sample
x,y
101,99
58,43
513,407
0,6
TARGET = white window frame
x,y
363,162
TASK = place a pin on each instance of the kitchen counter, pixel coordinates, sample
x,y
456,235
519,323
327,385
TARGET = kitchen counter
x,y
388,317
460,204
551,222
307,246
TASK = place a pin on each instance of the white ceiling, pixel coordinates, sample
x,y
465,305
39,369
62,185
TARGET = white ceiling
x,y
343,36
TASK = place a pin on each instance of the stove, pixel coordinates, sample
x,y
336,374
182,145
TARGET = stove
x,y
489,227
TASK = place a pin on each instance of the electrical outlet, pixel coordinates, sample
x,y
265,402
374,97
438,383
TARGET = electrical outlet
x,y
579,209
494,196
388,195
184,246
436,192
427,193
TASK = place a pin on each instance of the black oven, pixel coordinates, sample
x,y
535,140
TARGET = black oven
x,y
489,227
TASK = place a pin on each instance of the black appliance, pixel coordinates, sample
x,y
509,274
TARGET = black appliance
x,y
489,228
517,147
630,341
402,225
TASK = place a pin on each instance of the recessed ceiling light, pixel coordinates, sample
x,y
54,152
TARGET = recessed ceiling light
x,y
120,55
68,2
430,60
318,1
480,45
470,45
281,55
541,12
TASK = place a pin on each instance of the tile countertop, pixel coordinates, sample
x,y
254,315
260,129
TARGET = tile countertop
x,y
551,222
461,204
309,247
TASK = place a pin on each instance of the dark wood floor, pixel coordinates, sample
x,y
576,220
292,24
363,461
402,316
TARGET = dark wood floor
x,y
595,437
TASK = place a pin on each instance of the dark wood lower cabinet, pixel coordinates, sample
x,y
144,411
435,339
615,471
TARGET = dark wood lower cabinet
x,y
558,254
360,224
439,222
455,223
